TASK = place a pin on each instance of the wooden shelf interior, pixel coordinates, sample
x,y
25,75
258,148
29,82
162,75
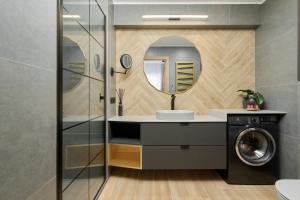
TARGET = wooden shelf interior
x,y
127,156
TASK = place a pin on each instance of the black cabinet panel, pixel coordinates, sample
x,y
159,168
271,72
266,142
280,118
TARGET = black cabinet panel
x,y
183,133
124,133
184,157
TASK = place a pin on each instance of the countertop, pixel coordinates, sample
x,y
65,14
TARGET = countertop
x,y
152,118
214,115
222,113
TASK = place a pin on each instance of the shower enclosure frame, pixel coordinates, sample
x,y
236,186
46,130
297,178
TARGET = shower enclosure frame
x,y
59,88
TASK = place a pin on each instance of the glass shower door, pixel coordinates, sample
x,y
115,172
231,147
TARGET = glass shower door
x,y
97,101
83,103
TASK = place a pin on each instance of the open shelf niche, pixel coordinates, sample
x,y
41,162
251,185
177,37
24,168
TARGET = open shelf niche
x,y
125,148
125,133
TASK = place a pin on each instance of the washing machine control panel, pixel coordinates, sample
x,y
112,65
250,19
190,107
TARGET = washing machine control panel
x,y
251,119
272,119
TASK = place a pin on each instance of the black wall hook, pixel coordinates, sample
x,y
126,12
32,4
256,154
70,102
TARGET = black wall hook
x,y
113,71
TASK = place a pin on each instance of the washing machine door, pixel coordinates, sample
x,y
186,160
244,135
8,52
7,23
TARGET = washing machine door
x,y
255,146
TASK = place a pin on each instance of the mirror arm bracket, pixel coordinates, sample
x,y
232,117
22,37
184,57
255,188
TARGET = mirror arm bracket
x,y
112,72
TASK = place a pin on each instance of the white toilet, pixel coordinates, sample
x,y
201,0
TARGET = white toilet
x,y
288,189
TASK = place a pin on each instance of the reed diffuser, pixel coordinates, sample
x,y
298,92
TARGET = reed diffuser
x,y
120,93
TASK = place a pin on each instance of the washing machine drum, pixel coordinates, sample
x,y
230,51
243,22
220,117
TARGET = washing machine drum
x,y
255,146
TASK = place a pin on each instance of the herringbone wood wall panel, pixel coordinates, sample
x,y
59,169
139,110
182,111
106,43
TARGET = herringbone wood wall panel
x,y
228,64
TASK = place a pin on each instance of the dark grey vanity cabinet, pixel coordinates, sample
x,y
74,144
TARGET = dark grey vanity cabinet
x,y
184,157
175,145
184,145
183,133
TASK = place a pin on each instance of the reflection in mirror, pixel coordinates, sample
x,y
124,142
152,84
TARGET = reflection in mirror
x,y
172,65
97,59
73,60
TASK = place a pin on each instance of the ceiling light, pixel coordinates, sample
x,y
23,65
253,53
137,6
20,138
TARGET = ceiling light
x,y
71,16
175,17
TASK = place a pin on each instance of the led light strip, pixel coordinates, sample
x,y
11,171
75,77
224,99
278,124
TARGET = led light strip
x,y
175,17
71,16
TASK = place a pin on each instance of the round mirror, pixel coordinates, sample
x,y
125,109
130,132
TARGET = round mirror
x,y
74,61
172,65
126,61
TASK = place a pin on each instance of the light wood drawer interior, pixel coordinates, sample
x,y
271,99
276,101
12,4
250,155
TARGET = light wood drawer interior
x,y
128,156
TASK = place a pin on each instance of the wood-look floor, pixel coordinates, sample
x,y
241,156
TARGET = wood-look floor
x,y
126,184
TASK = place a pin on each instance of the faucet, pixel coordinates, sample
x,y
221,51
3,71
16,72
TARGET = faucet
x,y
173,101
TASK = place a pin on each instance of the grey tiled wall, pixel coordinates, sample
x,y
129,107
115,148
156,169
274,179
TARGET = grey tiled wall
x,y
298,153
28,100
276,75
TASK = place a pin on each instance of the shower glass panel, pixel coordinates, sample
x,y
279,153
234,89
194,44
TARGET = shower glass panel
x,y
83,167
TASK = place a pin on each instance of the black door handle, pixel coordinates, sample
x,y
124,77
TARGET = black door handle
x,y
184,123
101,97
184,147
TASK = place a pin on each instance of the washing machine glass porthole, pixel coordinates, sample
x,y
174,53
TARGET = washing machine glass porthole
x,y
255,146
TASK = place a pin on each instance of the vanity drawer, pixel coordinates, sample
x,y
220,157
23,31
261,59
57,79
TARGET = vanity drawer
x,y
183,133
184,157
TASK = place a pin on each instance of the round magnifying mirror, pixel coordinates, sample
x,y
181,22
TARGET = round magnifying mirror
x,y
74,61
126,61
172,65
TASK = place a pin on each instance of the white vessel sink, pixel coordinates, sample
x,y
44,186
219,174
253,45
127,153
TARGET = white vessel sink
x,y
175,114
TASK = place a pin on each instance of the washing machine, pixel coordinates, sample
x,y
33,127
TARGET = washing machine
x,y
252,150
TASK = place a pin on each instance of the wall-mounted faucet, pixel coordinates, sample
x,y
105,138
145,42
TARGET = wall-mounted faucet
x,y
173,101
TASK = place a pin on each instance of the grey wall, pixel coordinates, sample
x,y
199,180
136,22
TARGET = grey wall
x,y
28,100
298,127
276,75
219,15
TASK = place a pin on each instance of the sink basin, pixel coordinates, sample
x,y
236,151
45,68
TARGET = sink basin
x,y
175,114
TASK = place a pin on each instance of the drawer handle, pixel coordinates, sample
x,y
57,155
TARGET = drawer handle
x,y
184,123
184,147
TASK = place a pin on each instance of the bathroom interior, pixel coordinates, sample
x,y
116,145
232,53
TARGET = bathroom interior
x,y
150,100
